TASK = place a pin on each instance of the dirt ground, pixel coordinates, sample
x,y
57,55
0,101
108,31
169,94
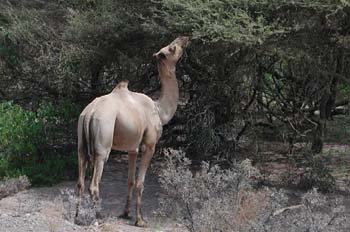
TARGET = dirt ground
x,y
276,166
52,208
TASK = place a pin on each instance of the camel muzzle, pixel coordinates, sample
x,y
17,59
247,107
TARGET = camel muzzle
x,y
182,41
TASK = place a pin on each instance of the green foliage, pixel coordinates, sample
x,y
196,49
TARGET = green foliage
x,y
241,21
8,49
19,130
27,137
344,91
215,20
98,49
52,170
25,24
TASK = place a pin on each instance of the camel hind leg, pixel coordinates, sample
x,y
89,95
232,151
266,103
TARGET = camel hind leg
x,y
101,143
82,166
95,182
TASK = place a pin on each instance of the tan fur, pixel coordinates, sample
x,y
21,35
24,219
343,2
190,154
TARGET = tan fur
x,y
126,120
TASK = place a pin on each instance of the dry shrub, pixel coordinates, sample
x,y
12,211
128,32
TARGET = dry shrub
x,y
63,209
13,185
210,199
249,205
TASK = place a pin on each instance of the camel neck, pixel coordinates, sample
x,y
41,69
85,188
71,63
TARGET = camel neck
x,y
169,96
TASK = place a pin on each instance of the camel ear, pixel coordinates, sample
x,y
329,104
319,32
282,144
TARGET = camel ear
x,y
172,49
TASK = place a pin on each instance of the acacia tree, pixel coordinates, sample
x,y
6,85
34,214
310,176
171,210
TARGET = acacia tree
x,y
263,63
252,64
70,49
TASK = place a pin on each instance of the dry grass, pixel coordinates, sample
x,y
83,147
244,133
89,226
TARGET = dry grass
x,y
54,214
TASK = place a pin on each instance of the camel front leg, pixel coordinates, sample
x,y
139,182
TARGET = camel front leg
x,y
145,160
131,183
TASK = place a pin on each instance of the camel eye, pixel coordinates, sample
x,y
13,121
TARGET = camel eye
x,y
162,56
172,49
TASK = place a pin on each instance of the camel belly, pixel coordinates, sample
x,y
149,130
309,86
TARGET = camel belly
x,y
127,135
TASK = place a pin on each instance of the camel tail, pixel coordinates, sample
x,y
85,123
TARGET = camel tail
x,y
87,139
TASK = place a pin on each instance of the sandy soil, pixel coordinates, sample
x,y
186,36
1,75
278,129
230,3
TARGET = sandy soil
x,y
52,208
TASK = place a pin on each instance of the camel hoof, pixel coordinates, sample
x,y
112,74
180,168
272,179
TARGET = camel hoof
x,y
125,216
141,223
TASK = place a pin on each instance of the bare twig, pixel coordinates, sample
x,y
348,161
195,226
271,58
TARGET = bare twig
x,y
278,212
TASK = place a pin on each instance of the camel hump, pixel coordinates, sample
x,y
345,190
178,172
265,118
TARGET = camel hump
x,y
121,85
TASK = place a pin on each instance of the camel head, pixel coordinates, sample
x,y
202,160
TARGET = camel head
x,y
170,54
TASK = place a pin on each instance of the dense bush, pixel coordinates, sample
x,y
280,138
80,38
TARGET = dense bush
x,y
32,142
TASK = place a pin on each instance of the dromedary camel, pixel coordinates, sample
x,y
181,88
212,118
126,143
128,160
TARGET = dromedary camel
x,y
128,121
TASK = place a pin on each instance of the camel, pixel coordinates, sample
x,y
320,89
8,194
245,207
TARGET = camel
x,y
128,121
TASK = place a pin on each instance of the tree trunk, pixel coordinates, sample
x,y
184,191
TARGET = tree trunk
x,y
317,141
